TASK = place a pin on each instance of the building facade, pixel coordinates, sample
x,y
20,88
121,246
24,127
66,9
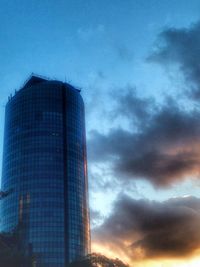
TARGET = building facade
x,y
44,175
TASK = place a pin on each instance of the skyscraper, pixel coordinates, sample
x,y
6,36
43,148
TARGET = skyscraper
x,y
44,177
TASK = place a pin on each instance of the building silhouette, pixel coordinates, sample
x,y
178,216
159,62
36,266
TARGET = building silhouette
x,y
44,176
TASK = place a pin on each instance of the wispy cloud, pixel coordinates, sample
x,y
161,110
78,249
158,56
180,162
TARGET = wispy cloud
x,y
87,33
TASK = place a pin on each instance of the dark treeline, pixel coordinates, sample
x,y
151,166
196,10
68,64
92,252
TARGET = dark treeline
x,y
97,260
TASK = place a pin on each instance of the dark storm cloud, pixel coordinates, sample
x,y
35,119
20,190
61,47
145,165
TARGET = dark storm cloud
x,y
182,48
163,145
164,148
129,101
150,229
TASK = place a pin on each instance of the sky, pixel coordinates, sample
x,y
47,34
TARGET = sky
x,y
137,63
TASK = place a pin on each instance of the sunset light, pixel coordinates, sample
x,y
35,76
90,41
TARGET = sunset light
x,y
100,133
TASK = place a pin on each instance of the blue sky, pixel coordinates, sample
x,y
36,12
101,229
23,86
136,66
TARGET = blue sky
x,y
101,47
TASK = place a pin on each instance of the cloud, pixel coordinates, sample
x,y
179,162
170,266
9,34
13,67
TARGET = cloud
x,y
124,53
163,148
86,34
129,101
181,47
96,218
143,229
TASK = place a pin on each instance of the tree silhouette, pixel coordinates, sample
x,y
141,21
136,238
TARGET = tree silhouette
x,y
11,253
97,260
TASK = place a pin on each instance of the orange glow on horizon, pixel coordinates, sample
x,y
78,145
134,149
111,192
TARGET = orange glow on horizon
x,y
106,250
